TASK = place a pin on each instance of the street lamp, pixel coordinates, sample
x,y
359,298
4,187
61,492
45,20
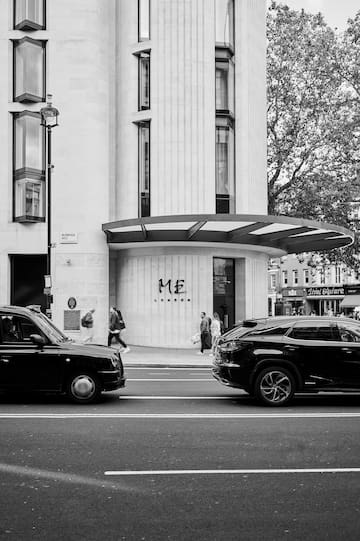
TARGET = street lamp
x,y
49,119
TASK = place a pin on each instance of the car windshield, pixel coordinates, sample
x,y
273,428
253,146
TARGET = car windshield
x,y
49,328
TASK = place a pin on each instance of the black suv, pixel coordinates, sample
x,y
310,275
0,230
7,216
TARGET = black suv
x,y
36,356
276,357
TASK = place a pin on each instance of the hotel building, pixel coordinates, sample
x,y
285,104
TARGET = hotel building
x,y
158,165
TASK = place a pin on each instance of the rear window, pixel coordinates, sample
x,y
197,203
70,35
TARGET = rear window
x,y
313,331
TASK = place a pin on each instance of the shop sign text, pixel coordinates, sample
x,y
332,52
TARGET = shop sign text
x,y
324,291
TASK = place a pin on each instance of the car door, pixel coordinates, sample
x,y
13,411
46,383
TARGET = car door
x,y
313,346
349,349
24,365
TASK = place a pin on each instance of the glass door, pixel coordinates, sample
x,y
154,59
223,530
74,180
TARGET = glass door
x,y
224,290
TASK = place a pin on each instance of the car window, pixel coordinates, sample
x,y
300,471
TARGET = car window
x,y
349,332
17,329
273,331
313,331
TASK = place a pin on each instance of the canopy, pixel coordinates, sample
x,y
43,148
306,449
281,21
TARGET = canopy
x,y
261,232
350,301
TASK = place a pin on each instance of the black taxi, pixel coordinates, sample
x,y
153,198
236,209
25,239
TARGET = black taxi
x,y
36,356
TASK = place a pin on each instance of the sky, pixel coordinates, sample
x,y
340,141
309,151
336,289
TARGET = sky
x,y
336,12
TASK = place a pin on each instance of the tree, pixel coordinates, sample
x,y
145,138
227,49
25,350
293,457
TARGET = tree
x,y
313,85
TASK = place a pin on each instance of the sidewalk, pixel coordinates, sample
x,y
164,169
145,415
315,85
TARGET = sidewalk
x,y
165,357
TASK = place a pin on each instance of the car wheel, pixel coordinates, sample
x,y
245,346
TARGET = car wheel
x,y
83,388
274,386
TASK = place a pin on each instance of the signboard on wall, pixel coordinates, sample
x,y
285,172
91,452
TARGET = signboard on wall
x,y
68,238
324,291
71,320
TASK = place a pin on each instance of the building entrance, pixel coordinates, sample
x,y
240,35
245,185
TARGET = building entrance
x,y
224,290
27,280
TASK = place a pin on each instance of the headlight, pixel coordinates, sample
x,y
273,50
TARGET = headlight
x,y
115,362
233,345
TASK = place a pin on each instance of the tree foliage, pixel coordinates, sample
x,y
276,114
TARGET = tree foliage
x,y
313,83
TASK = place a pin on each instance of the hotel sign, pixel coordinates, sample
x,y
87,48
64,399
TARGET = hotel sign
x,y
324,291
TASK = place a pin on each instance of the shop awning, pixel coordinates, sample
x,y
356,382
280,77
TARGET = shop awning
x,y
350,301
258,232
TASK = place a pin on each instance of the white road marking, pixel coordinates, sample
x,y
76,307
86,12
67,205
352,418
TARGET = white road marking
x,y
325,415
170,379
130,397
172,369
231,472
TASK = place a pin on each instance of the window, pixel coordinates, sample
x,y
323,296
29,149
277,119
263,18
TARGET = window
x,y
322,276
17,329
349,332
224,85
144,81
143,20
295,277
337,274
29,70
29,168
273,331
285,277
29,14
224,17
272,281
224,170
313,331
144,169
306,276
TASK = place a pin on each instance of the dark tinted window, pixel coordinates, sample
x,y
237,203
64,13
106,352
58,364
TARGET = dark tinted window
x,y
349,332
273,331
17,329
312,331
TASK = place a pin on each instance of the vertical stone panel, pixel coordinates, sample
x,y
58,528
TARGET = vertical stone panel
x,y
183,115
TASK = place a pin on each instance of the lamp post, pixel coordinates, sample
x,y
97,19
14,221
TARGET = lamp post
x,y
49,119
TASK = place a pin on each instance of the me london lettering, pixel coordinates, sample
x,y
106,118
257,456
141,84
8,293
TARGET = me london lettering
x,y
176,287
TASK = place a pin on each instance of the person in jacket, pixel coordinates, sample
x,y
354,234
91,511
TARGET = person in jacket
x,y
115,327
205,336
87,323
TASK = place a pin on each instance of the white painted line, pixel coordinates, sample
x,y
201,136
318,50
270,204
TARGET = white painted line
x,y
128,367
232,472
350,415
170,379
130,397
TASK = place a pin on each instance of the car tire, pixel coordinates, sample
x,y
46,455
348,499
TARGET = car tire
x,y
83,388
274,386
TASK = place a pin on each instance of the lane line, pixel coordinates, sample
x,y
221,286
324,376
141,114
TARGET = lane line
x,y
188,369
171,379
231,472
137,397
235,416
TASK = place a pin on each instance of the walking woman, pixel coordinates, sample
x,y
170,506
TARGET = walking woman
x,y
115,328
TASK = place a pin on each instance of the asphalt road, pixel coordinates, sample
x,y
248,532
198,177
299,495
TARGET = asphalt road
x,y
177,456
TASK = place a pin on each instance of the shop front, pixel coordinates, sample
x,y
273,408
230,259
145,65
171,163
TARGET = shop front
x,y
293,301
323,301
350,305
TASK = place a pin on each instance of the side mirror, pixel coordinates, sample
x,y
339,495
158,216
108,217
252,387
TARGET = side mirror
x,y
37,340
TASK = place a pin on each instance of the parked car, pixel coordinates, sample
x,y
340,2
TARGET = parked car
x,y
273,358
36,356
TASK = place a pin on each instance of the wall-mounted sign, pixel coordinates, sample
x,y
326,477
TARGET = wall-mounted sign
x,y
176,287
293,292
71,320
68,238
324,291
71,303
